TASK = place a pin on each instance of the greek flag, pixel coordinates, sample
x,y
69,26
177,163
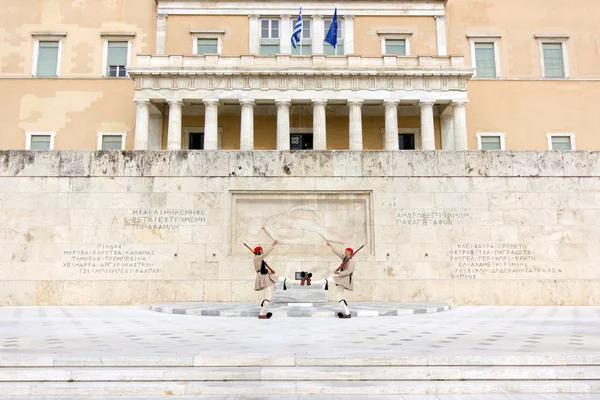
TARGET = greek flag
x,y
297,33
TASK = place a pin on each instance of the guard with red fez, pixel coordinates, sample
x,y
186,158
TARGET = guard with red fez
x,y
265,279
343,278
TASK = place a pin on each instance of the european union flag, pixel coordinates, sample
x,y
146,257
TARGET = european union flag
x,y
331,37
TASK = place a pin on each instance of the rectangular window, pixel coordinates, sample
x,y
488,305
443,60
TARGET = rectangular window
x,y
305,48
558,142
395,47
196,141
301,141
207,46
269,37
112,142
485,60
329,49
491,143
39,141
554,66
117,55
47,58
406,141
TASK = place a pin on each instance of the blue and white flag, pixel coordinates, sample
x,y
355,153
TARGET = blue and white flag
x,y
297,32
331,37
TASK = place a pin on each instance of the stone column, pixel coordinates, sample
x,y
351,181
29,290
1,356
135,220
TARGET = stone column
x,y
391,125
460,125
447,125
211,129
247,125
355,113
348,34
318,34
283,124
440,27
253,35
319,125
285,35
142,125
174,132
427,130
161,33
156,132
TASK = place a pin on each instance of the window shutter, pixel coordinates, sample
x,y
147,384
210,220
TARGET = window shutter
x,y
561,143
40,142
112,142
47,58
485,60
395,46
491,143
553,60
208,46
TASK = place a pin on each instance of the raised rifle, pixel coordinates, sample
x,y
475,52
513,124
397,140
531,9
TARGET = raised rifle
x,y
252,251
349,258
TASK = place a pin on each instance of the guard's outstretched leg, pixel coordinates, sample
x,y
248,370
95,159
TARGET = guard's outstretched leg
x,y
343,302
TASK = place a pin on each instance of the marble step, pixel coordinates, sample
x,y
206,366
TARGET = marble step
x,y
297,360
380,373
270,388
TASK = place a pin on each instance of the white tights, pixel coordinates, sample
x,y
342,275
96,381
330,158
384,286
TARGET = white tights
x,y
267,294
339,292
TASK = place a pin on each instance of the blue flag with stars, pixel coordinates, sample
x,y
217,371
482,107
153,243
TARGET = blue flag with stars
x,y
331,37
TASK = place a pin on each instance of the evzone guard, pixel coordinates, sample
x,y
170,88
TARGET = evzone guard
x,y
265,279
343,278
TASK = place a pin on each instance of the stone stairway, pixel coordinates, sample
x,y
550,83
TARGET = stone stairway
x,y
299,376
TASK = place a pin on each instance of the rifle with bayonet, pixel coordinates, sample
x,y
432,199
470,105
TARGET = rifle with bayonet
x,y
349,258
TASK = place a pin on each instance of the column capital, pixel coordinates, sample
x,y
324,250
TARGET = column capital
x,y
319,102
141,102
391,102
349,17
254,16
355,102
244,102
175,102
285,16
442,17
211,102
283,102
459,103
316,16
426,103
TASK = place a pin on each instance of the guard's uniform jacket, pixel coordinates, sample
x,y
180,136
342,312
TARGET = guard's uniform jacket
x,y
263,280
345,277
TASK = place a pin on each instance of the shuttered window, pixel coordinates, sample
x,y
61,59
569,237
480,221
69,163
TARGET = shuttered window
x,y
208,46
112,142
47,62
554,66
561,143
117,59
395,46
491,143
485,60
269,37
40,142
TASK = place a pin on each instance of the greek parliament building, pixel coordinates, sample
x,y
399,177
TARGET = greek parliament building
x,y
192,74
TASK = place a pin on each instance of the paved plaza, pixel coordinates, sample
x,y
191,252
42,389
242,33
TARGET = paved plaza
x,y
65,341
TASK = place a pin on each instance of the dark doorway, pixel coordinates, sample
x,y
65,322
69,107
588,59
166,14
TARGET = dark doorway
x,y
196,141
406,141
301,141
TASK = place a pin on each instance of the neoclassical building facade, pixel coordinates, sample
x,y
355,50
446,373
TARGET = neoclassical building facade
x,y
193,74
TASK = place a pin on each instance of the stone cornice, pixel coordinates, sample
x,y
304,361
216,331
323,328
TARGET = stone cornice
x,y
505,164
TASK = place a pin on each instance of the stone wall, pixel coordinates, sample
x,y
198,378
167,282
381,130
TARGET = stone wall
x,y
510,228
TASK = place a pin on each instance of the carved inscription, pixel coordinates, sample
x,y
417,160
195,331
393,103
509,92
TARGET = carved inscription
x,y
430,218
110,259
165,219
476,261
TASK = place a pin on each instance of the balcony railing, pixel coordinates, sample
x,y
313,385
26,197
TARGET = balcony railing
x,y
286,62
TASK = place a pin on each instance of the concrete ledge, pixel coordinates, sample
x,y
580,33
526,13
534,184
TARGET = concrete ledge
x,y
261,163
